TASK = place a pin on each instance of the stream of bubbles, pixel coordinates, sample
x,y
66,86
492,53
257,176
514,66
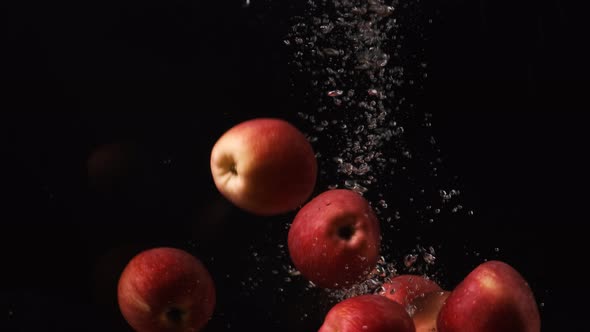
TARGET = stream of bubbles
x,y
351,54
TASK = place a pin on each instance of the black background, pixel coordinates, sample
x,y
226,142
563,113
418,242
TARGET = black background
x,y
168,77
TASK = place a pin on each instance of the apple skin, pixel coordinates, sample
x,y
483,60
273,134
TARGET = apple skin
x,y
166,290
493,297
334,239
404,288
367,313
264,166
426,308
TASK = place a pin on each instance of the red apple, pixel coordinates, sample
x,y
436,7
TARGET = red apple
x,y
264,166
403,289
334,239
425,309
166,289
493,297
367,313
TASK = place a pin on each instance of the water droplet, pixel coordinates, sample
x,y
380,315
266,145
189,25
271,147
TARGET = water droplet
x,y
327,28
335,93
429,258
331,52
373,92
379,291
380,271
381,10
445,196
353,185
410,259
391,269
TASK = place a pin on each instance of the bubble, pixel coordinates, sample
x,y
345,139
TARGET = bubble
x,y
429,258
410,259
331,52
335,93
353,185
380,291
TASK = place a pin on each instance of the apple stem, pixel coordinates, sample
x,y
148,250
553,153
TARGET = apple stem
x,y
233,169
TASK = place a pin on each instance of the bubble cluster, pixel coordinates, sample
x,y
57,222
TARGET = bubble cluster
x,y
373,284
346,50
350,57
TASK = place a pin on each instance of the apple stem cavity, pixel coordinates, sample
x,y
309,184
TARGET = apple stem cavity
x,y
175,315
346,232
233,168
228,164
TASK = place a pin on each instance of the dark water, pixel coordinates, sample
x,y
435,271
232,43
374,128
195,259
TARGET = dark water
x,y
153,84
